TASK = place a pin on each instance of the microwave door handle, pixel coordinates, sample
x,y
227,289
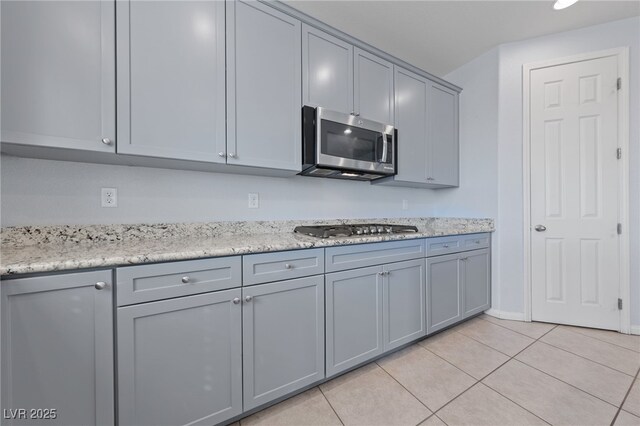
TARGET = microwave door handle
x,y
385,148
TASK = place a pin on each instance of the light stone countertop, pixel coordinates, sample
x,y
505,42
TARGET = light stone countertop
x,y
27,250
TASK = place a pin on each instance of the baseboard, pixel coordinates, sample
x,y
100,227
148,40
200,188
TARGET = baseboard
x,y
634,329
515,316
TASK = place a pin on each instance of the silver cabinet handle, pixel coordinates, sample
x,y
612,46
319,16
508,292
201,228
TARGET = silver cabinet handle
x,y
381,273
248,298
430,178
477,241
221,154
445,245
287,266
232,155
185,280
100,285
540,228
106,141
236,300
464,258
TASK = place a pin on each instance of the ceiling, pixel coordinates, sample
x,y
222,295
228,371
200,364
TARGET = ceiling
x,y
440,36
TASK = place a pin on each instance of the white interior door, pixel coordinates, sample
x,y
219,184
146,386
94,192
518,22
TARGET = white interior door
x,y
574,193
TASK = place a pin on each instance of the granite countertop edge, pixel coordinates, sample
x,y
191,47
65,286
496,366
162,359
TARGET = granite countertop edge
x,y
66,256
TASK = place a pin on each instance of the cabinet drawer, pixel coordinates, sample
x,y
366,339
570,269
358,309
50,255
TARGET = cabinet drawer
x,y
144,283
268,267
476,241
457,243
361,255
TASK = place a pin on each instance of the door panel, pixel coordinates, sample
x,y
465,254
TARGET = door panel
x,y
373,87
477,281
403,303
171,79
354,317
263,86
327,71
57,347
574,193
283,338
179,360
444,291
442,113
58,74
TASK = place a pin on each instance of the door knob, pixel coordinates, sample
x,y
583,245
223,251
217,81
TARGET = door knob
x,y
540,228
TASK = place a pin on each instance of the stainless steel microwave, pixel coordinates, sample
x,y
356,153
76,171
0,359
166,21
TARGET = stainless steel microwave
x,y
345,146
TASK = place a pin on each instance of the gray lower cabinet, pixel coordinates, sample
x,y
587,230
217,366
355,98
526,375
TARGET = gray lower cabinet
x,y
171,79
458,286
264,87
444,291
179,360
58,74
282,338
403,295
353,317
57,349
477,281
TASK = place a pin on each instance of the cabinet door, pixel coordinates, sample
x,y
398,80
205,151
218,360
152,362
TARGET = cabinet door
x,y
373,87
411,112
327,71
476,267
442,113
403,302
57,347
444,292
58,74
263,87
283,338
171,79
354,317
179,360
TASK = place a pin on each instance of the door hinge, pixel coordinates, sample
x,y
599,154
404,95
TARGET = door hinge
x,y
619,228
619,153
619,83
620,304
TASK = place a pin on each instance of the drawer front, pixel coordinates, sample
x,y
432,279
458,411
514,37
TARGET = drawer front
x,y
269,267
445,245
361,255
477,241
145,283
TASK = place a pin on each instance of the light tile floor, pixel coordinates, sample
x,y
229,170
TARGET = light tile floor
x,y
483,372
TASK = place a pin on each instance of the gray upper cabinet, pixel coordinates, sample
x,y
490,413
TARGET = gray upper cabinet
x,y
179,360
426,116
58,74
263,87
444,292
327,71
373,87
354,317
477,281
404,301
57,347
442,140
283,338
171,79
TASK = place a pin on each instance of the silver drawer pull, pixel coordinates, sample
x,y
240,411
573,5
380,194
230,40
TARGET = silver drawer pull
x,y
477,241
101,285
288,266
445,245
236,300
248,298
185,280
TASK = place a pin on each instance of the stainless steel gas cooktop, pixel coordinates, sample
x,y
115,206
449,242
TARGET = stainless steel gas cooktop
x,y
347,230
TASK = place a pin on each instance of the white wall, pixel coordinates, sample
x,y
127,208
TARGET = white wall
x,y
511,230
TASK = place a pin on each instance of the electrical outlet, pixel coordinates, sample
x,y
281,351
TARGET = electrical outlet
x,y
109,197
254,200
405,204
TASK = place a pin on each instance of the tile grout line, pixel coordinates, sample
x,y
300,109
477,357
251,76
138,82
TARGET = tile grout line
x,y
597,338
449,362
329,402
411,393
510,329
633,382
